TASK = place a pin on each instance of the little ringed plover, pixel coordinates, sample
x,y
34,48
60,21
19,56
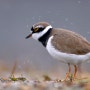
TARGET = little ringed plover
x,y
63,45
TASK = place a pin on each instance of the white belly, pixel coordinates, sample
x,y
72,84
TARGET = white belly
x,y
65,57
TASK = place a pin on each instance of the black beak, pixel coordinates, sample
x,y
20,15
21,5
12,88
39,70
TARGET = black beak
x,y
28,36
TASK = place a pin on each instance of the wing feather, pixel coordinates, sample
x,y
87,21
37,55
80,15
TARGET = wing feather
x,y
70,42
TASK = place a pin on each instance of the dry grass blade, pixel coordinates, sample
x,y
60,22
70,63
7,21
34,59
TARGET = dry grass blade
x,y
14,68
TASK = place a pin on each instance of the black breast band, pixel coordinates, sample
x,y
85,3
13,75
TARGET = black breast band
x,y
45,37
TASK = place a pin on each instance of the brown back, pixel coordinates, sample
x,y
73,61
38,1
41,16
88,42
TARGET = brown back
x,y
69,42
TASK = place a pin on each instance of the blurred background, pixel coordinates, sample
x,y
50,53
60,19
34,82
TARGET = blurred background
x,y
16,19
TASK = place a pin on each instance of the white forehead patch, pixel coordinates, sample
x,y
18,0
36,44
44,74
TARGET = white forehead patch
x,y
39,26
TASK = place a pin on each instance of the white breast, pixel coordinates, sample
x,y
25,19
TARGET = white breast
x,y
65,57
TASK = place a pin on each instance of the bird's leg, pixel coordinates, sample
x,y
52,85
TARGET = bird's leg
x,y
69,71
75,71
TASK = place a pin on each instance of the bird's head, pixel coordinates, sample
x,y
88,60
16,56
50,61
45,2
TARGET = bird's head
x,y
39,29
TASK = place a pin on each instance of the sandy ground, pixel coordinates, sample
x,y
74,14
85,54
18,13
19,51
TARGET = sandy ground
x,y
35,80
45,82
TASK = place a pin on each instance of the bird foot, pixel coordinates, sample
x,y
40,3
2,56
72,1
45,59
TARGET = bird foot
x,y
69,77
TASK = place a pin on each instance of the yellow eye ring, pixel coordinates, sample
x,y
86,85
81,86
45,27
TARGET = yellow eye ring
x,y
36,29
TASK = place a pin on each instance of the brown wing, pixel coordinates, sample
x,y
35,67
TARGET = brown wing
x,y
70,42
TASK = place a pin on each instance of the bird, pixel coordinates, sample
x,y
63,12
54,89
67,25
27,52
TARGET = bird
x,y
63,45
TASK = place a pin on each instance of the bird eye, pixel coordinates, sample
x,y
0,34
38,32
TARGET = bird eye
x,y
36,29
